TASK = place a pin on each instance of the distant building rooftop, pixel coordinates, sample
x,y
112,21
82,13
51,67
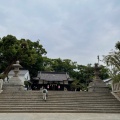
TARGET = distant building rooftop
x,y
53,76
107,80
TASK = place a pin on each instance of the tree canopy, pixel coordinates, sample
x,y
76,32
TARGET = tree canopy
x,y
112,60
27,52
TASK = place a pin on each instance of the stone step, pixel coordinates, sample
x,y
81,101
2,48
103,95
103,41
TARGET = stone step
x,y
50,97
44,105
87,95
55,97
34,93
50,93
57,107
63,96
66,95
58,92
31,110
58,101
55,103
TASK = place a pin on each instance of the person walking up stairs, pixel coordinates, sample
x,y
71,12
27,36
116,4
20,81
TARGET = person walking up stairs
x,y
44,92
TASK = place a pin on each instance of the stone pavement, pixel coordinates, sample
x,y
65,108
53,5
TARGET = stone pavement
x,y
59,116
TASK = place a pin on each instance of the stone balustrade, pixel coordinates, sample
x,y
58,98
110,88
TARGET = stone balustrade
x,y
116,87
1,85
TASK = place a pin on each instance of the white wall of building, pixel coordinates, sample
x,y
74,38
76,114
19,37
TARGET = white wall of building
x,y
23,75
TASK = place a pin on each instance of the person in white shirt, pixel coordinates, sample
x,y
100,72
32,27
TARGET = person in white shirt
x,y
44,92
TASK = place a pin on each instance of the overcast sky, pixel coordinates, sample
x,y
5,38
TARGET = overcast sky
x,y
68,29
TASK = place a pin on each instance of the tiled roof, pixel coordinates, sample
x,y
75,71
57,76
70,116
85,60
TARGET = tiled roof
x,y
53,76
107,80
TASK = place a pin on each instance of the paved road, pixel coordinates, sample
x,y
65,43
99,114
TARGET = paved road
x,y
58,116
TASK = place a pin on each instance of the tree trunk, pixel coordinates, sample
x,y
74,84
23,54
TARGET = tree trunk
x,y
7,70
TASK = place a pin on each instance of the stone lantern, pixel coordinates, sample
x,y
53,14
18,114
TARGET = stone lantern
x,y
16,68
97,85
15,83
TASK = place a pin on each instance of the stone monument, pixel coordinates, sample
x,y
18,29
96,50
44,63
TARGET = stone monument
x,y
15,82
97,85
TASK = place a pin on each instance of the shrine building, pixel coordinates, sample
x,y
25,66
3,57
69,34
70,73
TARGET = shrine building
x,y
52,80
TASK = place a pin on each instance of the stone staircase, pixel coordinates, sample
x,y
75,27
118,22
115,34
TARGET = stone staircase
x,y
58,101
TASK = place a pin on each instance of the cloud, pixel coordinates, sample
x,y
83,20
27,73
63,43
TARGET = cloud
x,y
79,30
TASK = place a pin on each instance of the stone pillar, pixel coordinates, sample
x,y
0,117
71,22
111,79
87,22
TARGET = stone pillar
x,y
1,85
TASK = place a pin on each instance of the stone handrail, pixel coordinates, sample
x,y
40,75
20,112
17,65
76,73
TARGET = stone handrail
x,y
116,87
1,85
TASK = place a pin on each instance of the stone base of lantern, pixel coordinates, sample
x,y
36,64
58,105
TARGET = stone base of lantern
x,y
14,84
98,86
15,81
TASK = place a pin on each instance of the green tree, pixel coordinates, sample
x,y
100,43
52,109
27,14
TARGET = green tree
x,y
76,85
86,73
47,64
104,72
59,65
112,60
27,52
